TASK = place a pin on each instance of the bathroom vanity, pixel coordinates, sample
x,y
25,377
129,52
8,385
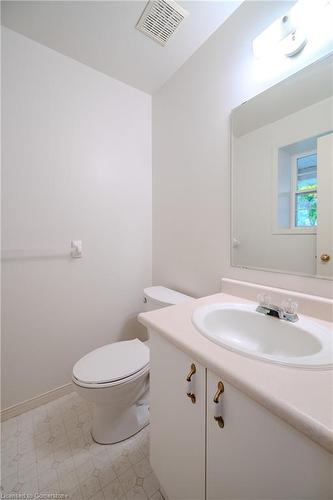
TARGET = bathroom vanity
x,y
225,426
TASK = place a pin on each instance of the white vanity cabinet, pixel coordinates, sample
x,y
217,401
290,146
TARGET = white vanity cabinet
x,y
258,456
244,453
178,426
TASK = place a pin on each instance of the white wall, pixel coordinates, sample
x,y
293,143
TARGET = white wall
x,y
191,184
76,165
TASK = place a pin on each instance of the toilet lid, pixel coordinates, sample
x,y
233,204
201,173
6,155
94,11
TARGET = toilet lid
x,y
112,362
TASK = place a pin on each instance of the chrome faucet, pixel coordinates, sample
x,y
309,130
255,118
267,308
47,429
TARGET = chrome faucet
x,y
286,312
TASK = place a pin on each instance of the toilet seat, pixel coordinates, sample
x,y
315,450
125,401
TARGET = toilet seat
x,y
123,381
112,364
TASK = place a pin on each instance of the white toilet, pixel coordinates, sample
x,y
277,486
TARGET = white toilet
x,y
115,378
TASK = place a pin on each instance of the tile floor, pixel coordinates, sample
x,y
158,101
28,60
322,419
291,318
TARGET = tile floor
x,y
50,450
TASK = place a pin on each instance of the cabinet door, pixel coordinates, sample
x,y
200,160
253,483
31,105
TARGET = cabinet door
x,y
258,456
177,430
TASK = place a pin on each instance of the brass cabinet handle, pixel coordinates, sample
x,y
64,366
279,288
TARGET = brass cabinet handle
x,y
219,421
191,396
220,390
193,370
325,257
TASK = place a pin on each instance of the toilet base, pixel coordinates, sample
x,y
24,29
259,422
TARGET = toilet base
x,y
107,430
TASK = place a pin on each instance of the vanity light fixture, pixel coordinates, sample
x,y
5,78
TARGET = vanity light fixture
x,y
289,34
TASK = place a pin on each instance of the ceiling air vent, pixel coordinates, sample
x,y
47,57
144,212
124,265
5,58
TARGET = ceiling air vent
x,y
160,19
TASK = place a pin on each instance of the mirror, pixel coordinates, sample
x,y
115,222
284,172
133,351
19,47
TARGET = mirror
x,y
282,176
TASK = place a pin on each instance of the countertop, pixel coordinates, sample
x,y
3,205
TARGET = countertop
x,y
303,398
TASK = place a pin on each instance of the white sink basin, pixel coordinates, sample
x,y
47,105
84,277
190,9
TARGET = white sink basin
x,y
240,328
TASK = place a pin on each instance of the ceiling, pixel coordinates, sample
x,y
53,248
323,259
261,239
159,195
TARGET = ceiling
x,y
103,35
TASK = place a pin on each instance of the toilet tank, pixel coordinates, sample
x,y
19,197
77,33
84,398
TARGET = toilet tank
x,y
155,297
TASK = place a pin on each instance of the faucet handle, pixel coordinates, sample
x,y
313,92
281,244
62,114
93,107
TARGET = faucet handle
x,y
289,306
261,299
264,299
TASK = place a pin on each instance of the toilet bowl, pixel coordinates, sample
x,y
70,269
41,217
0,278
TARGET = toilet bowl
x,y
115,379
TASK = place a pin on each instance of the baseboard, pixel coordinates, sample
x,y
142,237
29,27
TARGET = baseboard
x,y
30,404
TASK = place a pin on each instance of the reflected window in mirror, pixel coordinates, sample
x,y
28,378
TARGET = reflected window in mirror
x,y
306,190
297,187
